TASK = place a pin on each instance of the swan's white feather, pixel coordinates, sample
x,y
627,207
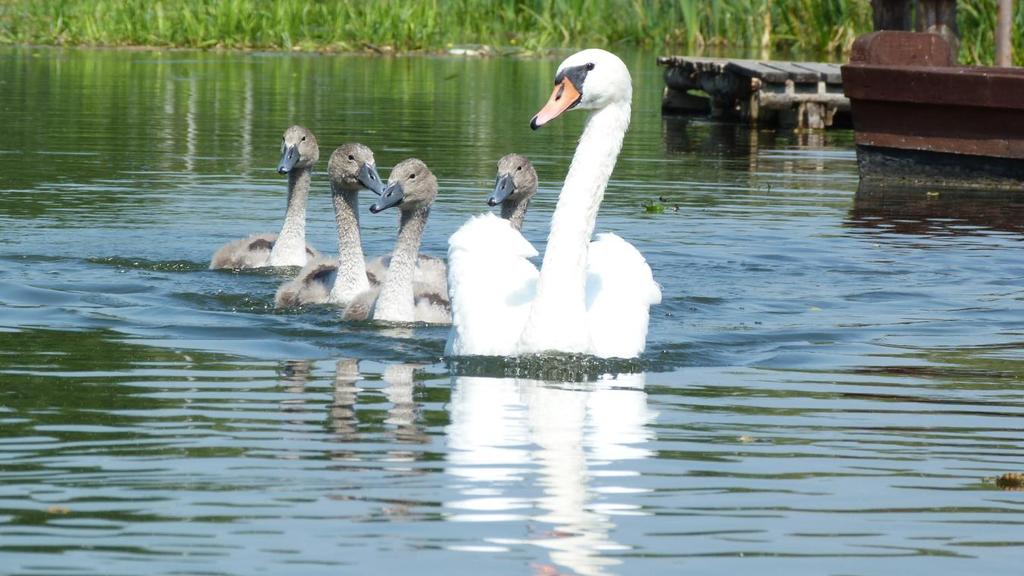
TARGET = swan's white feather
x,y
494,282
620,291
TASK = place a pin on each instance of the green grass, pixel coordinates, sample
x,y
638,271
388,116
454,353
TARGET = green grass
x,y
977,21
802,26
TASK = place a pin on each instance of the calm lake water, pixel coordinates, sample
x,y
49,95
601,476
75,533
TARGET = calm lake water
x,y
831,382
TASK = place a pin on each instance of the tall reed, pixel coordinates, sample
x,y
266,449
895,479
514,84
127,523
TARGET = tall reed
x,y
810,27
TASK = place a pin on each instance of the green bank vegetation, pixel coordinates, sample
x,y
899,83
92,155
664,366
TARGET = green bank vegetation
x,y
810,27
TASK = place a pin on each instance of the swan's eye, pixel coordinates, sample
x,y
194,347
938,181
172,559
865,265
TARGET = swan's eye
x,y
351,157
590,65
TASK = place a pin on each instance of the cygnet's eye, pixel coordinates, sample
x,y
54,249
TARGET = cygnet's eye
x,y
518,168
351,157
412,176
303,138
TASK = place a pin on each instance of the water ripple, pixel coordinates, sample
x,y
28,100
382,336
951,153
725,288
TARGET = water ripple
x,y
834,374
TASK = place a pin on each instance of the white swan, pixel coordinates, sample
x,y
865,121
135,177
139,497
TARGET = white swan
x,y
514,186
411,187
588,297
299,152
338,281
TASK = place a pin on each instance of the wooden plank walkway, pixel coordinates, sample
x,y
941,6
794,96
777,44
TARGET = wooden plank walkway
x,y
787,94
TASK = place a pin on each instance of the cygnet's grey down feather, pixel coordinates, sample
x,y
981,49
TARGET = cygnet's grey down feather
x,y
321,282
412,188
514,186
251,252
351,168
312,285
299,152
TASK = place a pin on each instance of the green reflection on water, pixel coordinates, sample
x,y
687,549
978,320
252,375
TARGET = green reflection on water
x,y
76,379
95,131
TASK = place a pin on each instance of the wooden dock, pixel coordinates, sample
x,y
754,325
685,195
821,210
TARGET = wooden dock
x,y
784,94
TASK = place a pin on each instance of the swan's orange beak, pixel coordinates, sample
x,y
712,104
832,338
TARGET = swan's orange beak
x,y
564,96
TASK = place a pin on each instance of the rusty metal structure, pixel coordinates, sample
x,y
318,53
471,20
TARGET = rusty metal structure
x,y
934,16
919,118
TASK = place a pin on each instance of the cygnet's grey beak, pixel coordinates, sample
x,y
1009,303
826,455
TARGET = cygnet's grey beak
x,y
369,178
391,196
503,187
288,159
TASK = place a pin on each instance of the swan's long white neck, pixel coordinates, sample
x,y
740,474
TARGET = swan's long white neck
x,y
290,247
351,279
557,318
396,300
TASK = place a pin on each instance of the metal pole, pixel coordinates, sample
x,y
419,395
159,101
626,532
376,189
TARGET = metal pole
x,y
1004,21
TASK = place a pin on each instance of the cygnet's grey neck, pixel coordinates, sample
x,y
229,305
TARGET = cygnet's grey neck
x,y
395,302
515,211
290,246
351,279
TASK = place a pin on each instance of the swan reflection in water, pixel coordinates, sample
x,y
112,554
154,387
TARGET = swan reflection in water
x,y
505,430
343,420
403,413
